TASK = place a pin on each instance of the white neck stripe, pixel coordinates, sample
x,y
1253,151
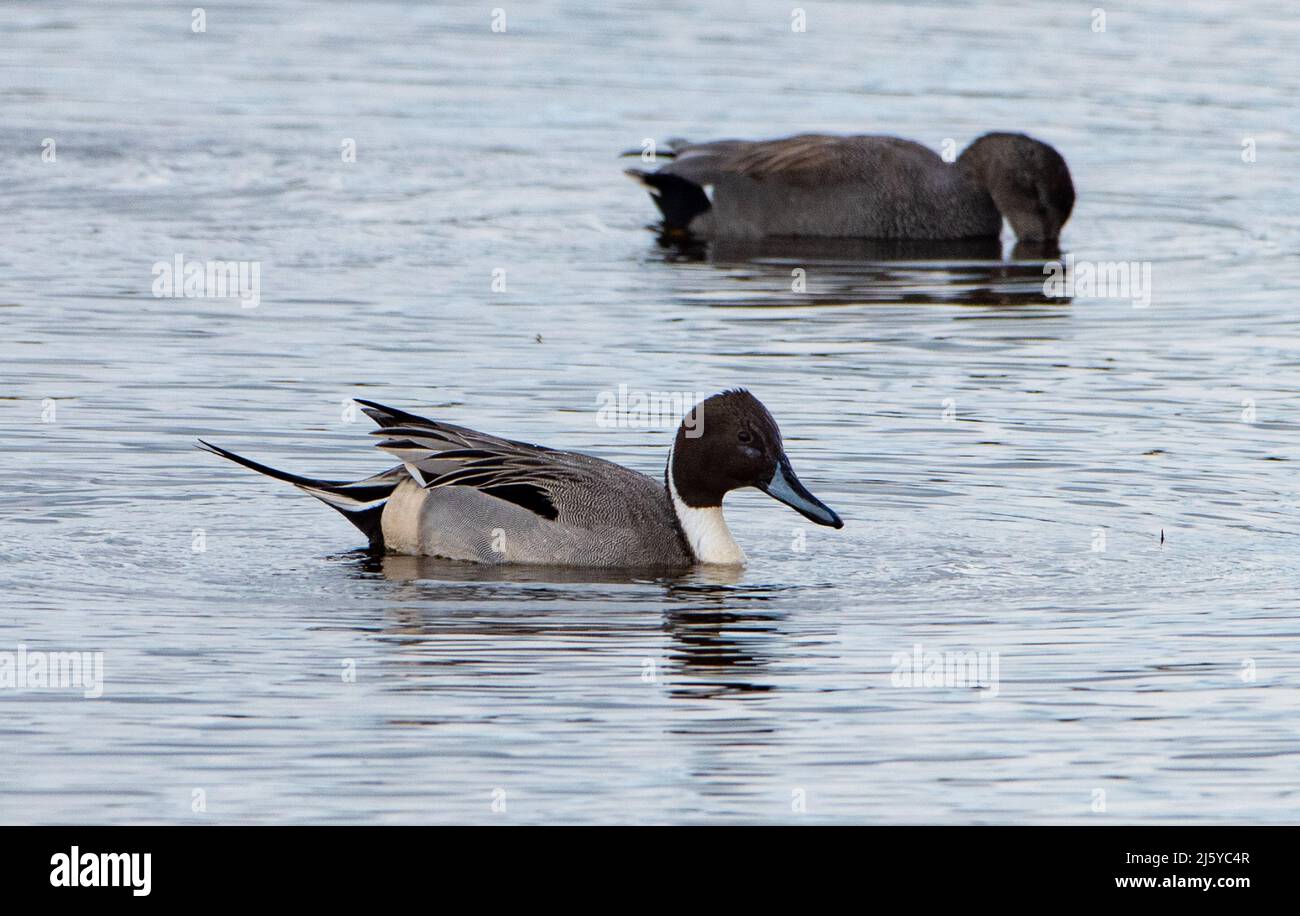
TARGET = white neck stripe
x,y
705,529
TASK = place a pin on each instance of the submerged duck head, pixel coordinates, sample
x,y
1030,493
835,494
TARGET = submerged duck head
x,y
1027,179
729,441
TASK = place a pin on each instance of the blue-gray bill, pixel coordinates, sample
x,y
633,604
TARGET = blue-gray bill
x,y
785,487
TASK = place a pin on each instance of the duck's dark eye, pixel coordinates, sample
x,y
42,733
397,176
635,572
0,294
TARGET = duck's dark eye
x,y
744,436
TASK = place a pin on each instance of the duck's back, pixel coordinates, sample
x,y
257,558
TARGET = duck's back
x,y
819,185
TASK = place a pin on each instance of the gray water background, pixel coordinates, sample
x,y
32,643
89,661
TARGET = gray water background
x,y
977,436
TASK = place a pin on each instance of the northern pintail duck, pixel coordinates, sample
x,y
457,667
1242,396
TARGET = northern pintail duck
x,y
466,495
861,187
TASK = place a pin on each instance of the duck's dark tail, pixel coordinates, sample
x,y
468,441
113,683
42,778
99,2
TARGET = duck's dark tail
x,y
678,199
361,502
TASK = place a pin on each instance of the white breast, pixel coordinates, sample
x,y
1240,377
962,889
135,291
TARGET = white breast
x,y
706,530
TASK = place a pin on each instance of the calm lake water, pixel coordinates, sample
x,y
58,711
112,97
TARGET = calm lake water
x,y
1006,463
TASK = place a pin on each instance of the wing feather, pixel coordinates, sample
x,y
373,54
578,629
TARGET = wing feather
x,y
805,159
567,486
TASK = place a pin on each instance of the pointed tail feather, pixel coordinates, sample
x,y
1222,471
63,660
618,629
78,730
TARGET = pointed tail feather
x,y
669,149
389,416
678,199
360,502
659,153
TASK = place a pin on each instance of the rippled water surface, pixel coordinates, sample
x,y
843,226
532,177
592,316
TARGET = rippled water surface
x,y
1104,496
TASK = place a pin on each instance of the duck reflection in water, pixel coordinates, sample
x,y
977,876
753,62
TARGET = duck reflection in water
x,y
722,635
839,271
